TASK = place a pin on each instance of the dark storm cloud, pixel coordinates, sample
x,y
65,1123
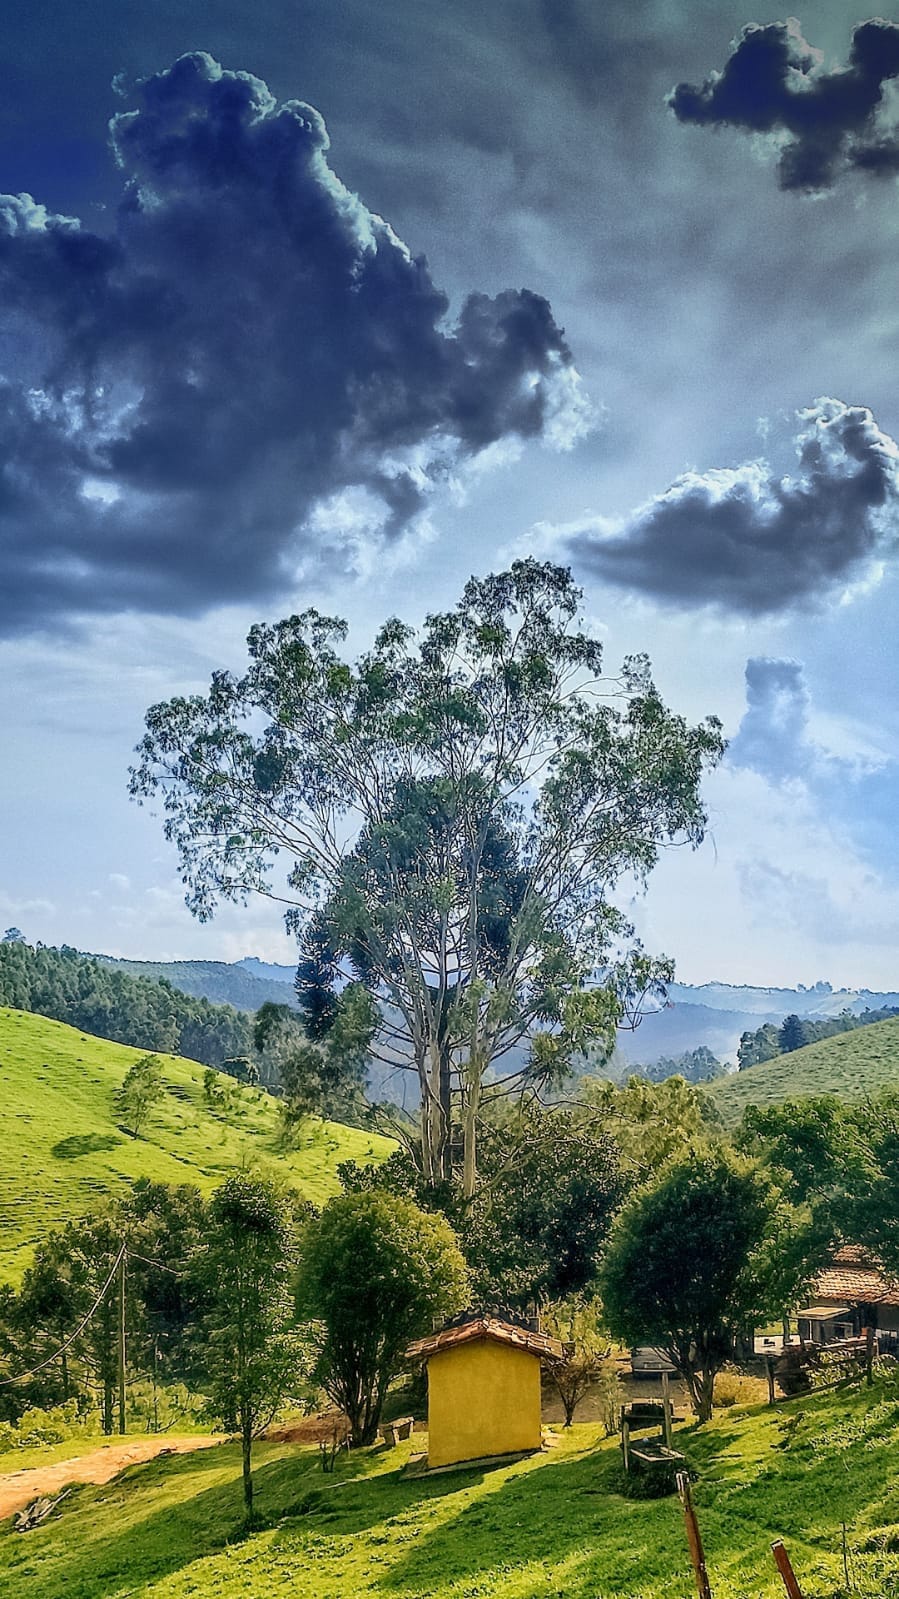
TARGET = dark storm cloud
x,y
826,121
742,539
185,402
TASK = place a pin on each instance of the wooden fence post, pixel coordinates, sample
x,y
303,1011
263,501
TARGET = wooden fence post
x,y
782,1562
693,1538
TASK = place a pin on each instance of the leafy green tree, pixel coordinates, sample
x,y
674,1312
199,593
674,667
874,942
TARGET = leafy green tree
x,y
375,1272
587,1350
535,1228
139,1093
869,1202
252,1350
794,1034
458,807
762,1045
689,1265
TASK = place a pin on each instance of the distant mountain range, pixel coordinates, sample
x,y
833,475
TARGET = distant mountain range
x,y
245,984
714,1014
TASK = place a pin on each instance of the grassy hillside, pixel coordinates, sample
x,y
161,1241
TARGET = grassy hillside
x,y
555,1524
61,1151
850,1065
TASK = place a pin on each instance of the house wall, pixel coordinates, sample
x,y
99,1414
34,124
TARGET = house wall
x,y
483,1399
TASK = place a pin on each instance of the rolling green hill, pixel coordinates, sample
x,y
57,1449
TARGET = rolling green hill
x,y
61,1151
850,1065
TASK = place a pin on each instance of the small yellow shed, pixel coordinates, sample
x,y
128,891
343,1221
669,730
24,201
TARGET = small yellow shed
x,y
483,1389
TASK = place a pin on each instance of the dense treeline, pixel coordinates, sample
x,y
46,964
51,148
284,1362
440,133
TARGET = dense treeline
x,y
148,1014
794,1032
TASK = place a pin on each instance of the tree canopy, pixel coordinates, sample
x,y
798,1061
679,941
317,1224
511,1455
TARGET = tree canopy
x,y
686,1267
453,812
375,1272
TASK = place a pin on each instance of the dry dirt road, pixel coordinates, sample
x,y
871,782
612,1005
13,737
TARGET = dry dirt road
x,y
18,1488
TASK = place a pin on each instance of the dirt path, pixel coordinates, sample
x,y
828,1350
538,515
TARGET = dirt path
x,y
18,1488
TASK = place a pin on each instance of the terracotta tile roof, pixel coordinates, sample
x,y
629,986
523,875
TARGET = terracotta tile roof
x,y
855,1277
500,1332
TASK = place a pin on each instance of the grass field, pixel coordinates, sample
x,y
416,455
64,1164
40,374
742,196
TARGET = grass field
x,y
850,1065
61,1151
552,1527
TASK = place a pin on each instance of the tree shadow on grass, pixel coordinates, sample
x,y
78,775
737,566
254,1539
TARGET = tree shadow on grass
x,y
568,1522
84,1144
158,1517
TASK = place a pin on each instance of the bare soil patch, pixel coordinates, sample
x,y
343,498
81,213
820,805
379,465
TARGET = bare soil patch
x,y
18,1488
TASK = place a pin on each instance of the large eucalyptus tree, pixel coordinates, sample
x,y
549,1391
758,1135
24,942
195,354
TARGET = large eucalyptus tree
x,y
446,821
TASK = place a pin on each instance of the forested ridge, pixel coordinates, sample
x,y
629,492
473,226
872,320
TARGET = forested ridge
x,y
145,1012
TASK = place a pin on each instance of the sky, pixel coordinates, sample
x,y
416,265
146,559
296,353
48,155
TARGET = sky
x,y
333,304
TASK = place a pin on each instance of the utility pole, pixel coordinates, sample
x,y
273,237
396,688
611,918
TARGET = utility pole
x,y
122,1260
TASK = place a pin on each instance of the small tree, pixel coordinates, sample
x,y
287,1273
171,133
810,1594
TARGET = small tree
x,y
375,1272
688,1268
142,1088
253,1349
587,1349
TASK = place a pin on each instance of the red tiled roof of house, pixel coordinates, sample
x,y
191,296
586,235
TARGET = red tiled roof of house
x,y
500,1332
855,1277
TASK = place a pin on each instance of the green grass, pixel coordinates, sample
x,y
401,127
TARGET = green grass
x,y
61,1152
552,1526
850,1065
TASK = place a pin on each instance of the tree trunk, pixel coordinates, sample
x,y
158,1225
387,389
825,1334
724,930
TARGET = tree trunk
x,y
108,1397
246,1441
65,1374
445,1164
470,1131
705,1389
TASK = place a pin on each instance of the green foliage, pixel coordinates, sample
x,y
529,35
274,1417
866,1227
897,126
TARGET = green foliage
x,y
649,1122
253,1354
375,1272
694,1066
142,1088
796,1031
100,999
687,1268
536,1226
61,1153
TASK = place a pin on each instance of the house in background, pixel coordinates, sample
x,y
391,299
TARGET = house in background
x,y
483,1389
852,1293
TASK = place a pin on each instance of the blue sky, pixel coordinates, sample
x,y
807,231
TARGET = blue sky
x,y
357,300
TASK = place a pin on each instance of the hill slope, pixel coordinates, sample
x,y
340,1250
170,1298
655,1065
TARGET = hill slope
x,y
61,1151
554,1524
850,1065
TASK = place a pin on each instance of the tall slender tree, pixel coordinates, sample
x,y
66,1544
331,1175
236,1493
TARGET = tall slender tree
x,y
454,810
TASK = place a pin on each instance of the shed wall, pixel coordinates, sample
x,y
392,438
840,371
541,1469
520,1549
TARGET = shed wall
x,y
483,1399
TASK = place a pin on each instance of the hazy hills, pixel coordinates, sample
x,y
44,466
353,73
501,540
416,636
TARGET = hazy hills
x,y
714,1014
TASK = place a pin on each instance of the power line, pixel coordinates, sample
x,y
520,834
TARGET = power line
x,y
6,1382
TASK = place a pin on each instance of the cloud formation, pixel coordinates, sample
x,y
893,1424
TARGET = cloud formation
x,y
187,403
745,540
773,736
824,122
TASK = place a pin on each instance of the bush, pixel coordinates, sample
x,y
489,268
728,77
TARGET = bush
x,y
37,1427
